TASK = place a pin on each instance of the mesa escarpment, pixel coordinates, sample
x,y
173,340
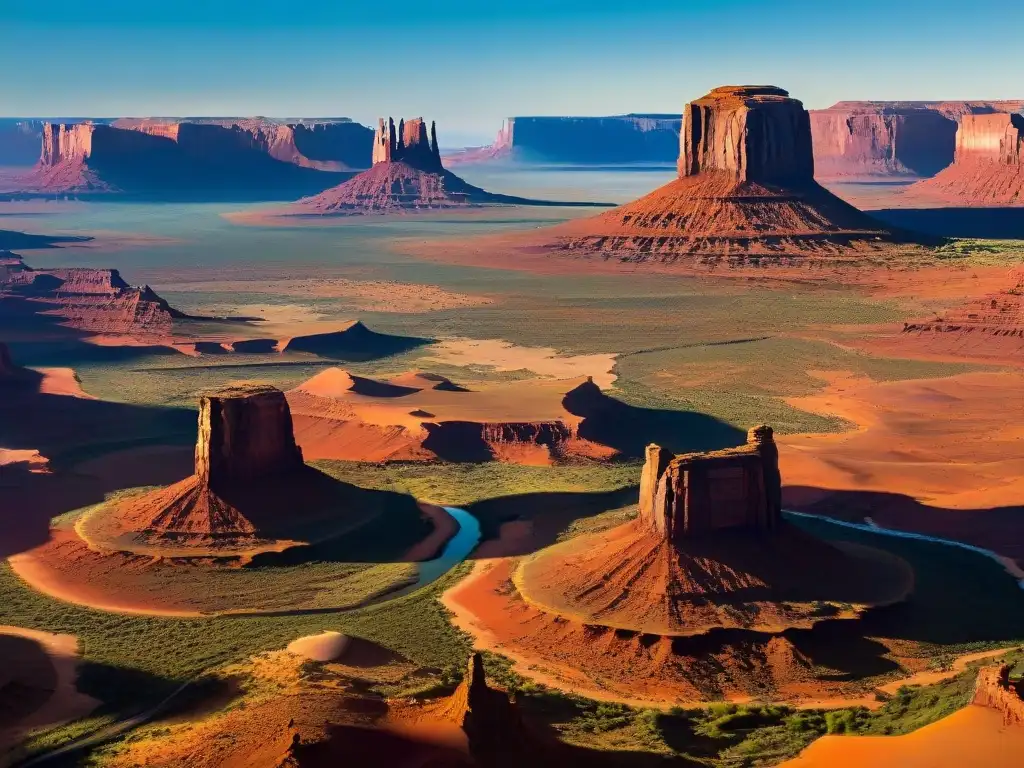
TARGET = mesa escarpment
x,y
995,690
864,139
746,187
174,157
988,170
94,301
710,549
407,175
617,140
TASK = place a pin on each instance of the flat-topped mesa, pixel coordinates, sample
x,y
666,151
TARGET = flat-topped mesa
x,y
409,144
245,434
700,493
752,132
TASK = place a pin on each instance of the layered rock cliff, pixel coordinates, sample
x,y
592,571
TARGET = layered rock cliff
x,y
83,299
891,138
245,434
988,168
253,158
994,690
619,140
746,186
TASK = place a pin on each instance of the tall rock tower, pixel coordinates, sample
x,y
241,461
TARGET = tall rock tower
x,y
410,144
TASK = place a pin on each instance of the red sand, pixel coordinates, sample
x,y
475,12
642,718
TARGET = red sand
x,y
974,736
939,456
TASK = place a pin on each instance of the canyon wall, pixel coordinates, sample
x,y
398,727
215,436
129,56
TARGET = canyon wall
x,y
993,689
752,133
892,138
988,167
245,434
697,493
618,140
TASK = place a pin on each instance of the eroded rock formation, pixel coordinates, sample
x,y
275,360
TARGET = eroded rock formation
x,y
746,187
697,493
175,157
409,144
245,434
994,689
406,176
617,140
81,298
988,169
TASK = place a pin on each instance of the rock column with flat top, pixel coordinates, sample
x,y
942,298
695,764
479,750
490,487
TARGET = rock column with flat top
x,y
245,434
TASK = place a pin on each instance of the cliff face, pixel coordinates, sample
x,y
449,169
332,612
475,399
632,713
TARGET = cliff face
x,y
254,158
696,493
753,133
624,139
993,689
988,169
245,434
892,138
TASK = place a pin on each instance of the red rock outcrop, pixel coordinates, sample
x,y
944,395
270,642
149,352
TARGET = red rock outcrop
x,y
698,493
994,690
616,140
991,326
746,187
81,298
174,157
245,434
891,138
988,169
406,176
409,144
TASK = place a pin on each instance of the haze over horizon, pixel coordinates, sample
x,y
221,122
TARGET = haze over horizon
x,y
469,64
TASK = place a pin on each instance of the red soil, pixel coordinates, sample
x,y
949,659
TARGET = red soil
x,y
629,578
970,184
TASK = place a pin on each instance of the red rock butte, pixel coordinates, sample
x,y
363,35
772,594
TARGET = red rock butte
x,y
988,170
406,175
249,491
709,549
746,186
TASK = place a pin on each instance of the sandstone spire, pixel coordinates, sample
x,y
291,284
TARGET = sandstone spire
x,y
410,144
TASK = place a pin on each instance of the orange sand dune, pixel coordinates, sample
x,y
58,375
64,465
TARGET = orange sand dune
x,y
940,456
974,736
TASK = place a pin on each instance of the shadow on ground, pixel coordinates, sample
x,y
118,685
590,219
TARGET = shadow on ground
x,y
996,223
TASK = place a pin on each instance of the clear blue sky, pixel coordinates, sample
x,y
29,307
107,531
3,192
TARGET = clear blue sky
x,y
469,63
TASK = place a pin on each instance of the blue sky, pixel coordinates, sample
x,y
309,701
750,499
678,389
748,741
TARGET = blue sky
x,y
468,63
